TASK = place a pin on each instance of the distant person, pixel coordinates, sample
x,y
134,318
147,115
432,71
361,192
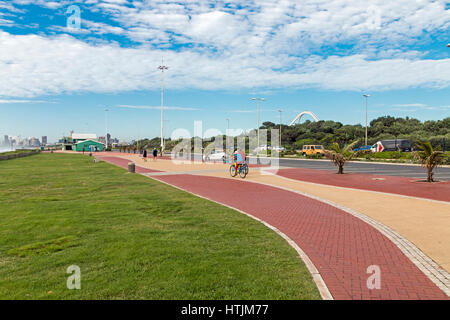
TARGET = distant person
x,y
144,155
155,153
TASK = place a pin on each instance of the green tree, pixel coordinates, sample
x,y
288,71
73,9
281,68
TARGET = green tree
x,y
339,156
429,158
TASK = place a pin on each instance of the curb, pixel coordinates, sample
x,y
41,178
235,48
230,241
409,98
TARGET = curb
x,y
365,162
315,274
439,276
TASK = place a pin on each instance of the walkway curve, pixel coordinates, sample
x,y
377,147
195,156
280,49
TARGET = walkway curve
x,y
341,246
317,278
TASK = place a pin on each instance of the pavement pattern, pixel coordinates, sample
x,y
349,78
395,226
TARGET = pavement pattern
x,y
391,169
341,246
389,184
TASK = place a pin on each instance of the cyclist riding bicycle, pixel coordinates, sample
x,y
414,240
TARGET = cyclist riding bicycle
x,y
239,158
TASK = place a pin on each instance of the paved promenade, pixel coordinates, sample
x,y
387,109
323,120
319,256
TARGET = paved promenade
x,y
398,185
341,244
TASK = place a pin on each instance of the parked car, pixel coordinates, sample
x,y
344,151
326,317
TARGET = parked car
x,y
278,148
263,147
392,145
217,155
309,150
363,148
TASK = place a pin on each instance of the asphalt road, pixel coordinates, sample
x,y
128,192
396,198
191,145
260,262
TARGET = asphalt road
x,y
369,168
410,171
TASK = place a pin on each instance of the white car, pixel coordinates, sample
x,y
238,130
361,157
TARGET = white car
x,y
215,156
278,148
262,148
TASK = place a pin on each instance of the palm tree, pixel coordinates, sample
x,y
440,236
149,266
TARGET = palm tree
x,y
428,157
341,156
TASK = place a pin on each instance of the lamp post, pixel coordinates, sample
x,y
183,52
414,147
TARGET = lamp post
x,y
162,67
367,98
167,126
280,111
228,125
106,127
258,102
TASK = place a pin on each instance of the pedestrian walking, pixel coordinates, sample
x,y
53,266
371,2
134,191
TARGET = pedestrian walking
x,y
144,155
155,153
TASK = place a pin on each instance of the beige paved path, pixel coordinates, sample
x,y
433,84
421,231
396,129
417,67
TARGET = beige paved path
x,y
425,223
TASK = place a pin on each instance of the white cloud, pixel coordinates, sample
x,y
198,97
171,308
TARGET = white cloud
x,y
44,3
28,68
285,25
159,108
10,101
418,105
242,44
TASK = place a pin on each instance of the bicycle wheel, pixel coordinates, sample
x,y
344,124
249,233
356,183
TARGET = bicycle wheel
x,y
242,173
246,168
233,171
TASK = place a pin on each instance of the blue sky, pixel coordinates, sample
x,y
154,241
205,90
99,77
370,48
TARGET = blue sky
x,y
310,55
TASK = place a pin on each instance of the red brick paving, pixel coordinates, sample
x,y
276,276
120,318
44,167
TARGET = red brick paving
x,y
398,185
340,245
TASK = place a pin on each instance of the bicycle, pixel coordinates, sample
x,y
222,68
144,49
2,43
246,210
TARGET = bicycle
x,y
242,170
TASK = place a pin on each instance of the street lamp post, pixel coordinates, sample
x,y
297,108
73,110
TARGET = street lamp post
x,y
367,98
280,111
258,102
228,125
162,67
167,126
106,127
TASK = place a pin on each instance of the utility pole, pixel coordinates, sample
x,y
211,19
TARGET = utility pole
x,y
280,111
258,102
367,98
162,67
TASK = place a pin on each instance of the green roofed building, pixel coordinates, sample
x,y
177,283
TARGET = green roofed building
x,y
88,146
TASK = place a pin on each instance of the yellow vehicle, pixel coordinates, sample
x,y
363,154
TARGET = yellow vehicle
x,y
309,150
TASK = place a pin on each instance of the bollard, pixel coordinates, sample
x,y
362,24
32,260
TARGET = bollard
x,y
131,167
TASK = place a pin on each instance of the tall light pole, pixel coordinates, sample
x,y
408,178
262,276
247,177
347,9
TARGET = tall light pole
x,y
280,111
162,67
228,124
367,98
258,102
164,132
106,127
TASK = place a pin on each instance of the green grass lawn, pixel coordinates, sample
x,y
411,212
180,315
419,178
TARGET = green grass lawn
x,y
132,237
16,151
